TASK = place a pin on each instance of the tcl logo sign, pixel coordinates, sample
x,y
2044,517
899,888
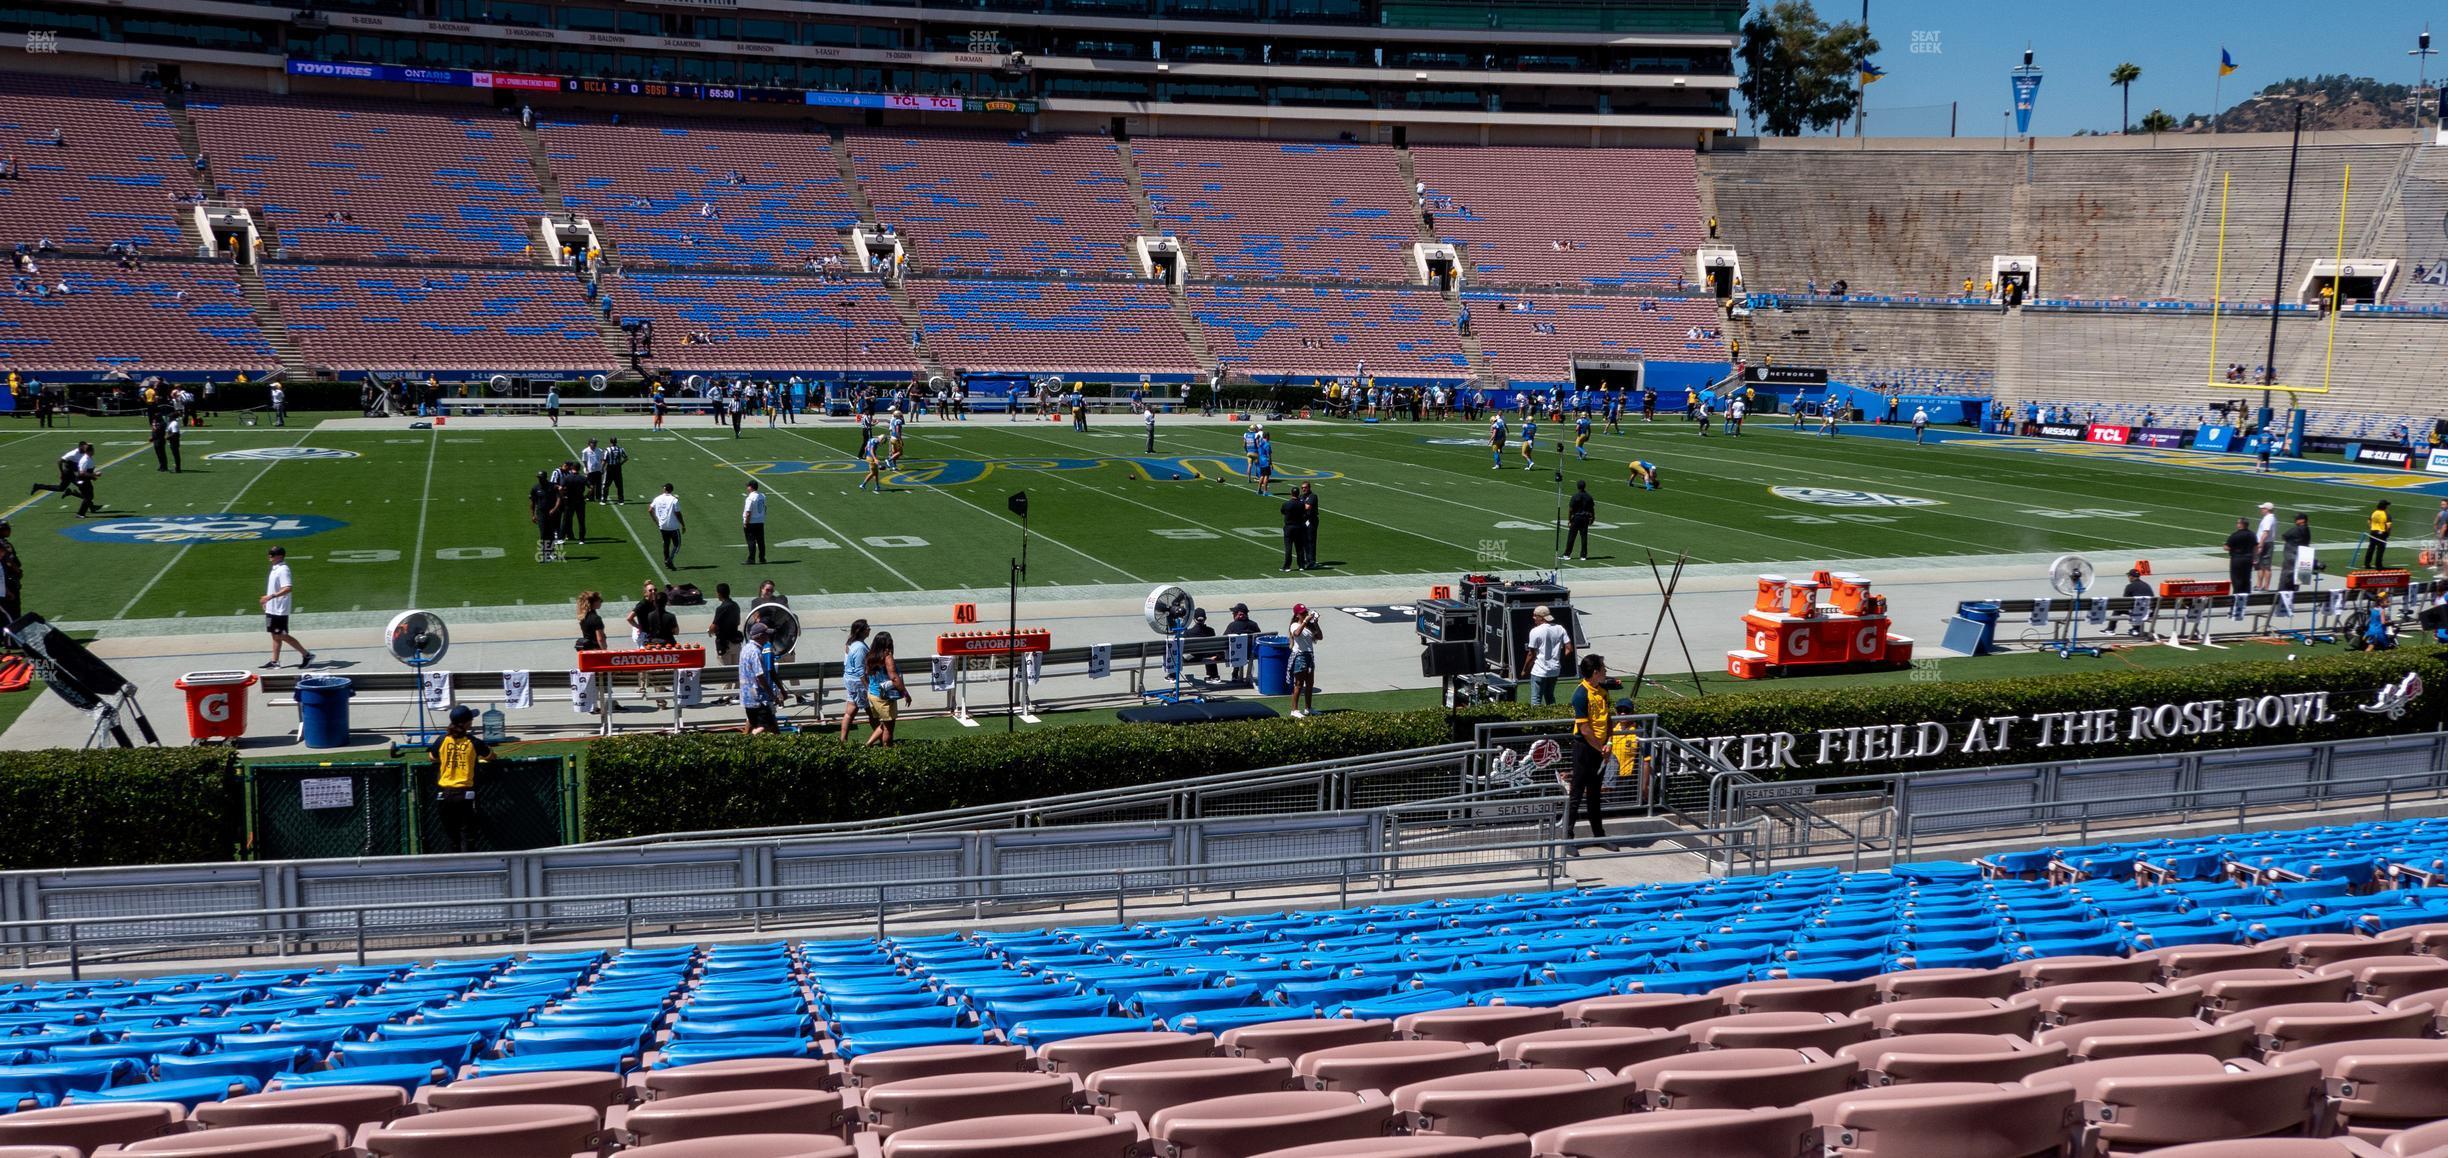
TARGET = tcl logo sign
x,y
2114,434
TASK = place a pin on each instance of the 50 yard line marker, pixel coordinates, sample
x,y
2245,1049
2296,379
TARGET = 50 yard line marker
x,y
416,562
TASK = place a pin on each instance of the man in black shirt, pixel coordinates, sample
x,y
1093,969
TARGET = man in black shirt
x,y
726,626
2240,545
1580,513
543,509
573,503
2298,542
1199,629
2135,586
642,616
1295,518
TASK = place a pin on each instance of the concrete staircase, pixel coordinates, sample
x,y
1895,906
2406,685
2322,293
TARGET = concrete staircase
x,y
911,324
2200,193
1195,334
1138,187
193,146
545,250
1410,184
275,329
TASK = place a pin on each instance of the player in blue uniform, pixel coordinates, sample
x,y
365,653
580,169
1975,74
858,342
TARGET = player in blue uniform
x,y
1529,444
1496,442
1644,474
874,454
1581,433
1266,464
895,427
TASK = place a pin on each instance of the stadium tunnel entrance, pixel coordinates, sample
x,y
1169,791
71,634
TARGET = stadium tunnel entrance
x,y
1600,373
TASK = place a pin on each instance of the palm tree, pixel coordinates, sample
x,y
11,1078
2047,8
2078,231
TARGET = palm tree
x,y
2157,121
2123,76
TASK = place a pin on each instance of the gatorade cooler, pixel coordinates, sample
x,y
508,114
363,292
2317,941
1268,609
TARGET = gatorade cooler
x,y
216,703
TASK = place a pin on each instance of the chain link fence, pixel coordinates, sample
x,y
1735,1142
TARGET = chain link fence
x,y
387,808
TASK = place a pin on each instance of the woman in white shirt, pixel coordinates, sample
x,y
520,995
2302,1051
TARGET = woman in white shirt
x,y
1304,634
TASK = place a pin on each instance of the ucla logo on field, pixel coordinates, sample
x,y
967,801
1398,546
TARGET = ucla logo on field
x,y
208,528
1825,497
959,471
280,454
1473,442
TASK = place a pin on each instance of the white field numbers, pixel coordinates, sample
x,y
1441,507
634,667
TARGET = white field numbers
x,y
886,542
1192,534
1832,520
2081,513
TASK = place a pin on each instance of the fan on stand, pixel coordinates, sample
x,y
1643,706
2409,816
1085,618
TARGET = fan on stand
x,y
1168,614
418,639
2070,576
782,638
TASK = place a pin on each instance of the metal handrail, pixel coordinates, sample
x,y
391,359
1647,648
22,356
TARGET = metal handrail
x,y
1544,855
978,816
2179,800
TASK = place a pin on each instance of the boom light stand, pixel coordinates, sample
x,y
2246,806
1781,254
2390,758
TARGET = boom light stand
x,y
1017,504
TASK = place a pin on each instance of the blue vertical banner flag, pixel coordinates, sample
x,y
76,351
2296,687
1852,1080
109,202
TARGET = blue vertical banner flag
x,y
2026,91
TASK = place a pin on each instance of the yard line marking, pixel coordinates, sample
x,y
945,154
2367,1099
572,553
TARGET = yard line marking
x,y
620,512
946,491
850,541
416,562
147,589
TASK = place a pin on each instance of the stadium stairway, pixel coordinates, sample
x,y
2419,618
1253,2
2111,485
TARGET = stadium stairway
x,y
1138,188
275,328
176,105
848,166
551,187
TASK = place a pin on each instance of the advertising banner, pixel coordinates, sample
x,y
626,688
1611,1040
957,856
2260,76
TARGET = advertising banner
x,y
2114,435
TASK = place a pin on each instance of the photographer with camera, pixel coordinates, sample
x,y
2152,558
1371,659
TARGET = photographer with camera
x,y
1305,634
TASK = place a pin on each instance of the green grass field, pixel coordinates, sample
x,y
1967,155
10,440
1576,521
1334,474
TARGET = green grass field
x,y
438,518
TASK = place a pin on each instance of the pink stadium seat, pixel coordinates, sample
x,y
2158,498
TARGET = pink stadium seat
x,y
1767,1133
90,1126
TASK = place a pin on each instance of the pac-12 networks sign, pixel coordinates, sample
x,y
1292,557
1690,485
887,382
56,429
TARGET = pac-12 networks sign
x,y
1998,735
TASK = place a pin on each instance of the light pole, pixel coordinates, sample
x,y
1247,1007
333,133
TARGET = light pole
x,y
2422,52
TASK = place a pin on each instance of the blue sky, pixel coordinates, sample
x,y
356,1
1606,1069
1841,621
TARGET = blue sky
x,y
2077,41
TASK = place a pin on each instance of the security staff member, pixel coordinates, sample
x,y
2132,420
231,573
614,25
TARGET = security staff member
x,y
615,457
1295,518
456,753
2375,550
1309,526
1593,733
1579,514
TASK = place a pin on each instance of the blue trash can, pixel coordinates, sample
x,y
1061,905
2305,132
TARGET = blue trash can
x,y
1274,665
323,720
1973,630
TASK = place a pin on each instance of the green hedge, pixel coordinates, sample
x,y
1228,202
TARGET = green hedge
x,y
72,808
637,785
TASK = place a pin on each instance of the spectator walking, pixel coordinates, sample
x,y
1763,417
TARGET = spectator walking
x,y
757,692
854,678
1544,654
666,510
885,691
279,595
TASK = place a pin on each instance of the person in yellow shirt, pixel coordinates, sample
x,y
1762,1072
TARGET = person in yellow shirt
x,y
456,753
2376,537
1592,739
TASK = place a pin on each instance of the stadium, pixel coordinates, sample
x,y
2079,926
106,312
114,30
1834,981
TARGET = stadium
x,y
1480,580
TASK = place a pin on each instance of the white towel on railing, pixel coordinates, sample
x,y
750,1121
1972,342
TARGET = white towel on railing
x,y
518,691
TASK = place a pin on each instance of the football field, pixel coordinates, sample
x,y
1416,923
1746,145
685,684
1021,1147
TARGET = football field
x,y
377,520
